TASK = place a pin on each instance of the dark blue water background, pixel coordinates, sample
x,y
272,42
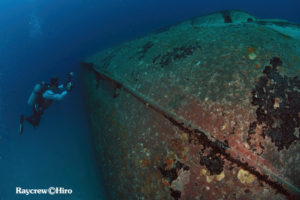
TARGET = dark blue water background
x,y
44,38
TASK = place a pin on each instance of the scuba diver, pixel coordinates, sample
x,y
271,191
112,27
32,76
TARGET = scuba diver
x,y
42,97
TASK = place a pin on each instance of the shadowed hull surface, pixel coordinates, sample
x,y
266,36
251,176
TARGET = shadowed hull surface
x,y
194,112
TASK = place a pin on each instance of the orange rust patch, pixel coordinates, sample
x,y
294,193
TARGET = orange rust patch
x,y
155,160
251,50
144,163
169,163
176,145
257,66
277,102
165,183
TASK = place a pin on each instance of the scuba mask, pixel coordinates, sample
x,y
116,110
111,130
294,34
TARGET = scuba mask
x,y
54,82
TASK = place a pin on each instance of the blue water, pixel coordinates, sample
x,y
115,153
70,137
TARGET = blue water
x,y
44,38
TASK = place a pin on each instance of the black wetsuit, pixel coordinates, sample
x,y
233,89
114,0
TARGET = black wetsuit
x,y
40,105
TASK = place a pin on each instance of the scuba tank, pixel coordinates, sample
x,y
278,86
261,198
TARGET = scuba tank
x,y
37,91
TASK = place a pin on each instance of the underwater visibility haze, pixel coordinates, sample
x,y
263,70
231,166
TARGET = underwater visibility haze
x,y
171,99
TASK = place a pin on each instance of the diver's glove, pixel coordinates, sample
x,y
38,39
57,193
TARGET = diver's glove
x,y
69,84
70,76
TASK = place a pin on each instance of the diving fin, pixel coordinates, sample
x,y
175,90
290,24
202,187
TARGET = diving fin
x,y
21,124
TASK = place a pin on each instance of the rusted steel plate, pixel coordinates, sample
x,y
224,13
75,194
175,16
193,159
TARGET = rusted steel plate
x,y
205,109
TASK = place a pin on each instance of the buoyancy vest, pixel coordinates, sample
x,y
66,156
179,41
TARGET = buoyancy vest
x,y
36,98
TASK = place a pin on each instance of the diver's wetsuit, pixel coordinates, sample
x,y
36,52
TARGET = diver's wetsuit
x,y
38,110
44,99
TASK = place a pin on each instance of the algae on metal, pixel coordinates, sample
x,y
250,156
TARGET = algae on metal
x,y
165,107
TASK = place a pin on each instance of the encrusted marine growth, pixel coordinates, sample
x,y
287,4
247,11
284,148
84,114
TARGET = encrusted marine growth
x,y
144,49
171,174
212,162
169,112
277,98
176,54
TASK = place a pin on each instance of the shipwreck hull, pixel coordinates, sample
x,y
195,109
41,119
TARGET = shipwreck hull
x,y
205,109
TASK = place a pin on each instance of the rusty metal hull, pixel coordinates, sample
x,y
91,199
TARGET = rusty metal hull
x,y
205,109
